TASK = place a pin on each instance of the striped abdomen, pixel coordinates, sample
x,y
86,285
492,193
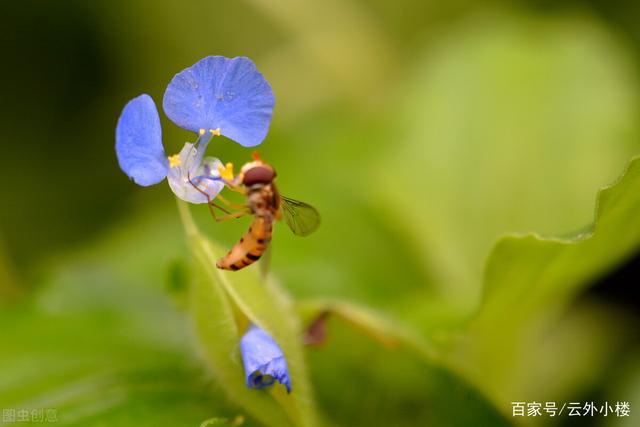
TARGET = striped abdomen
x,y
250,247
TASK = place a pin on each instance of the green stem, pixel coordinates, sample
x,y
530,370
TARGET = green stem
x,y
188,223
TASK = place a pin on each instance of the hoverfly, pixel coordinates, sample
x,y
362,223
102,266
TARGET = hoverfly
x,y
264,202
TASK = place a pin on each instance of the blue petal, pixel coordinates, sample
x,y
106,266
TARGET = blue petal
x,y
139,142
218,92
264,362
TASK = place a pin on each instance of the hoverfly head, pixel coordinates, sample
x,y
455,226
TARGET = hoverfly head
x,y
257,172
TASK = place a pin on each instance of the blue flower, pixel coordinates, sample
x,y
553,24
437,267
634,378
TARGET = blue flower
x,y
215,96
263,360
141,155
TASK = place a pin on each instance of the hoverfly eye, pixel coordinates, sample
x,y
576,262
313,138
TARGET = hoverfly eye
x,y
258,175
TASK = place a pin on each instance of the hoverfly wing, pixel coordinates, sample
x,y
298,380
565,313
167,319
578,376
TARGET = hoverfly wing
x,y
302,218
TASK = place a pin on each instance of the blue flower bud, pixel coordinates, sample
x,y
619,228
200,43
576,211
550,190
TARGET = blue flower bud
x,y
263,360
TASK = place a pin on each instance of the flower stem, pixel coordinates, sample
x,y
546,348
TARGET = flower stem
x,y
188,223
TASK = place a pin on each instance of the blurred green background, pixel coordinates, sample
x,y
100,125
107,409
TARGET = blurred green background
x,y
423,131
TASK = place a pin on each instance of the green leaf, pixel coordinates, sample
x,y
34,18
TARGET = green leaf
x,y
510,123
216,293
96,361
393,367
530,280
369,322
219,337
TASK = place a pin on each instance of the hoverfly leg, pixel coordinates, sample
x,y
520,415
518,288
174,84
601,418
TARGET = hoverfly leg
x,y
230,204
233,215
211,204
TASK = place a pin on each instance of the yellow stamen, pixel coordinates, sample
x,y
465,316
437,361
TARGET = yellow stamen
x,y
174,161
215,132
201,132
226,172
